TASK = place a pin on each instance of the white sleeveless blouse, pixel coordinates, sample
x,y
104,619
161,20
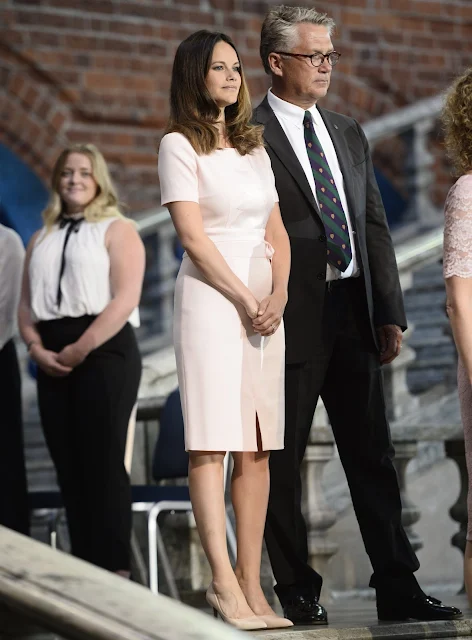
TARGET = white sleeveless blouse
x,y
85,283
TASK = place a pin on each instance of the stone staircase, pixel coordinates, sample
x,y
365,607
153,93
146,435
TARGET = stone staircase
x,y
435,363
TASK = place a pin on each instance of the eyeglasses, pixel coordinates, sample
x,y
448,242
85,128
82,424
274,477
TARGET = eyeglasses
x,y
316,59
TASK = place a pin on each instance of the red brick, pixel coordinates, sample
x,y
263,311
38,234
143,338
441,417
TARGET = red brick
x,y
151,49
100,81
142,30
139,84
43,107
44,38
142,10
117,69
113,44
30,96
225,5
45,19
352,18
83,43
364,36
17,85
441,26
412,24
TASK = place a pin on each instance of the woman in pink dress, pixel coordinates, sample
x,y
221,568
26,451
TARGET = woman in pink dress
x,y
457,117
216,180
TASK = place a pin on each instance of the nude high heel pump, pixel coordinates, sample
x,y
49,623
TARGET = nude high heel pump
x,y
245,624
276,622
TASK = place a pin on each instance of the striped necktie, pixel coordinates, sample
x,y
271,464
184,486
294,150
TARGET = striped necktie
x,y
339,252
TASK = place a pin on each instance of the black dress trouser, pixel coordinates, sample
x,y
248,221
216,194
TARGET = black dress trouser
x,y
85,419
346,373
13,487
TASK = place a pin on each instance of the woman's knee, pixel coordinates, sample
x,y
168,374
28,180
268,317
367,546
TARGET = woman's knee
x,y
199,459
251,460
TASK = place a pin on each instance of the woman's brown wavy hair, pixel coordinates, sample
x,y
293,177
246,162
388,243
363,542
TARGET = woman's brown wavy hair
x,y
194,113
457,120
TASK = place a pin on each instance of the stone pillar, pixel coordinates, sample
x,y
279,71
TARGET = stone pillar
x,y
456,451
404,452
319,516
419,174
398,399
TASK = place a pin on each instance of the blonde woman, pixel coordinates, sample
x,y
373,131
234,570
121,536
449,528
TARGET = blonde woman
x,y
216,180
81,288
457,118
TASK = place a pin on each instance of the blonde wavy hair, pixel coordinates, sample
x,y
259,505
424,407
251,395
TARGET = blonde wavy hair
x,y
194,113
105,203
457,121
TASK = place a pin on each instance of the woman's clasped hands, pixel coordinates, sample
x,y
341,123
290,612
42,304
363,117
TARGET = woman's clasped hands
x,y
58,364
267,315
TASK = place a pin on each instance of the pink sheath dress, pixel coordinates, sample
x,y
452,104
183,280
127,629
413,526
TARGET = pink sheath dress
x,y
458,262
227,373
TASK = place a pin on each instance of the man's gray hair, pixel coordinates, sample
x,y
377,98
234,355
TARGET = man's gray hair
x,y
279,29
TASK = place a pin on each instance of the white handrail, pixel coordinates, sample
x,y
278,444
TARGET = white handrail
x,y
402,119
420,250
150,221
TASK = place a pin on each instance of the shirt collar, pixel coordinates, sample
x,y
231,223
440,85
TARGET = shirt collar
x,y
291,112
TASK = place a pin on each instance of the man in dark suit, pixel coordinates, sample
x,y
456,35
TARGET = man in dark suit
x,y
343,321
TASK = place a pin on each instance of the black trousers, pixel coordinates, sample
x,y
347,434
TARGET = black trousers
x,y
13,487
346,373
85,421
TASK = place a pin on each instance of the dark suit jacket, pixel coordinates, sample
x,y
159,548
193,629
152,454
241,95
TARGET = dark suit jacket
x,y
302,219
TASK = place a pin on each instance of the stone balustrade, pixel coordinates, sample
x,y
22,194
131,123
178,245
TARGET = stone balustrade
x,y
440,422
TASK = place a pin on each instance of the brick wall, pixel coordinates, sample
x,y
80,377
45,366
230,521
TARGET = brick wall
x,y
99,70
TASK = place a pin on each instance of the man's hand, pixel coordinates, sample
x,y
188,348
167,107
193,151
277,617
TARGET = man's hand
x,y
390,338
72,355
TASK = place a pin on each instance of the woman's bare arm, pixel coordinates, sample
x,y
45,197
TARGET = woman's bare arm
x,y
202,251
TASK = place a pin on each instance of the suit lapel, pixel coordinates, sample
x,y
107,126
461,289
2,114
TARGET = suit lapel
x,y
345,164
276,139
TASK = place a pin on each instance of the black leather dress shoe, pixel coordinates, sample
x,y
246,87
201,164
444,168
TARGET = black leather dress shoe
x,y
418,607
304,609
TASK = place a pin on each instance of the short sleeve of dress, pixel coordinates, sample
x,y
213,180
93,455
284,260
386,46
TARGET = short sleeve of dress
x,y
177,168
458,230
271,175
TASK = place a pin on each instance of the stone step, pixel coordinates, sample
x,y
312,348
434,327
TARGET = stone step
x,y
432,338
422,380
422,320
426,300
357,620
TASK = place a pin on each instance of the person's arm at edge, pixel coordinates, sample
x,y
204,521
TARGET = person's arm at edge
x,y
11,262
459,310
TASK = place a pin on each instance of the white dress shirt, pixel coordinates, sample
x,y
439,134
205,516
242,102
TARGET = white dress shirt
x,y
291,120
12,255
